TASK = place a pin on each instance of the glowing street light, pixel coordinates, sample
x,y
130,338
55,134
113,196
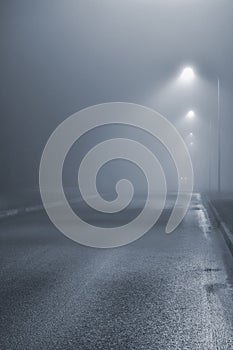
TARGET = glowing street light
x,y
190,114
190,134
187,74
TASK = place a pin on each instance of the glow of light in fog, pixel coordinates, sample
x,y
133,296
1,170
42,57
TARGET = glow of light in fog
x,y
190,114
187,74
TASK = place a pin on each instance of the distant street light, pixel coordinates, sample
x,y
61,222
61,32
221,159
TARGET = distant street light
x,y
190,114
190,134
187,74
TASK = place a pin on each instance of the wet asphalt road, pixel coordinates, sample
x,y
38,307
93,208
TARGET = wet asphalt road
x,y
160,292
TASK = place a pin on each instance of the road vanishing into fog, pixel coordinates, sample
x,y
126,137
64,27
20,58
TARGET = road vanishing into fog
x,y
161,292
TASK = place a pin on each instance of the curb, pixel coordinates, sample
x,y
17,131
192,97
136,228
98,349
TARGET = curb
x,y
227,235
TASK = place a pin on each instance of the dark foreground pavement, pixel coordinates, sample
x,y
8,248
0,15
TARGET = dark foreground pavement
x,y
160,292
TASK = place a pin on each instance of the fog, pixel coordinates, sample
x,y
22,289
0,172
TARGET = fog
x,y
58,57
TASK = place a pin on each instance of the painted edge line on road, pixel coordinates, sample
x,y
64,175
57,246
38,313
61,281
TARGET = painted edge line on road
x,y
227,235
35,208
17,211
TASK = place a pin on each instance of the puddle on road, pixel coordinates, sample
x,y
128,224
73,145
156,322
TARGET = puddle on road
x,y
212,288
196,208
209,269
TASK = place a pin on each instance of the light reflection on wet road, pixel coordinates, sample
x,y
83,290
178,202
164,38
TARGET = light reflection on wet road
x,y
160,292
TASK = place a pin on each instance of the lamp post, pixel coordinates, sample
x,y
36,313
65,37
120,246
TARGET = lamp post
x,y
219,139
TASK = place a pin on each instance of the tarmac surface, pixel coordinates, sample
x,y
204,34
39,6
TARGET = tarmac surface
x,y
161,292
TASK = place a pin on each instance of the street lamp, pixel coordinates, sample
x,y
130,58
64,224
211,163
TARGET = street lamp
x,y
190,114
187,74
